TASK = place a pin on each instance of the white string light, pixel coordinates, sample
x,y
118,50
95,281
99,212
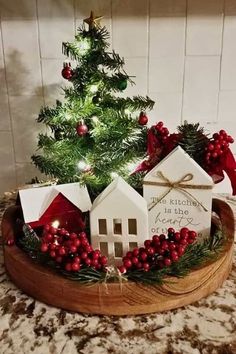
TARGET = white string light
x,y
131,166
93,88
114,175
55,224
67,116
81,165
95,119
127,111
84,46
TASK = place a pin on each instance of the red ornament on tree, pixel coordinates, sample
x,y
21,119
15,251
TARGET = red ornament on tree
x,y
81,129
143,119
67,72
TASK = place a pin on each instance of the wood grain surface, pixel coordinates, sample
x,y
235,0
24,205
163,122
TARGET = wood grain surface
x,y
127,298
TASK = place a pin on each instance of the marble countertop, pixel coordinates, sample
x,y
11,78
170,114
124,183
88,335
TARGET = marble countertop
x,y
28,326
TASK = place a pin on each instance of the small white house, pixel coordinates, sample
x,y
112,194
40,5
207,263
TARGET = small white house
x,y
178,194
118,220
64,203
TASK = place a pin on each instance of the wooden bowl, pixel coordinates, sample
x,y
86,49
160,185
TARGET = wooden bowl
x,y
128,298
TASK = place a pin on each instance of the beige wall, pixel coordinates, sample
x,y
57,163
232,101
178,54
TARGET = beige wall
x,y
183,53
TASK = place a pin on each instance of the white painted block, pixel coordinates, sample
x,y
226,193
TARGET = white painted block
x,y
7,163
167,36
20,39
23,9
130,27
24,111
56,25
224,186
178,207
228,70
166,74
201,87
204,34
167,109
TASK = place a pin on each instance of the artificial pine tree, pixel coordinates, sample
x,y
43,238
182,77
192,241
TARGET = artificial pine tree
x,y
94,133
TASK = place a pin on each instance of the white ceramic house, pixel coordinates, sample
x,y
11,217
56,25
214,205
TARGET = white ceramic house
x,y
63,202
187,203
118,220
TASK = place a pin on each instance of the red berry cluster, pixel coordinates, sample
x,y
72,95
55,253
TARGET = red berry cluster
x,y
217,146
70,250
161,131
159,252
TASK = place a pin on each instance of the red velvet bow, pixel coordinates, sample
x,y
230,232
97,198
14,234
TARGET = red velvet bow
x,y
226,163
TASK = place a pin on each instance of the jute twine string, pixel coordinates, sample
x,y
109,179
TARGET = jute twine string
x,y
179,185
112,272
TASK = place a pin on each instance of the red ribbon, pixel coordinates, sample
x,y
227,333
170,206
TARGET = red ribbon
x,y
226,163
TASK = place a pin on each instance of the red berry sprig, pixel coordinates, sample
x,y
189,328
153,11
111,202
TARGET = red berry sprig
x,y
161,131
70,250
159,252
217,146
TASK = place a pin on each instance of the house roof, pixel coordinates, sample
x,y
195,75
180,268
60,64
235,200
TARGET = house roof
x,y
35,201
124,189
175,165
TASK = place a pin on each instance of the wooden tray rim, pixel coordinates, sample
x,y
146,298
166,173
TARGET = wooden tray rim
x,y
14,255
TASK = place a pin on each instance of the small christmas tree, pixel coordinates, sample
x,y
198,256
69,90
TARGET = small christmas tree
x,y
95,133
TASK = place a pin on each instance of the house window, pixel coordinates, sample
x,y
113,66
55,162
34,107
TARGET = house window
x,y
132,245
118,248
102,226
132,225
104,248
117,226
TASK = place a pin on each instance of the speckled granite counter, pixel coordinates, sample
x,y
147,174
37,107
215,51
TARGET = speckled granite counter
x,y
27,326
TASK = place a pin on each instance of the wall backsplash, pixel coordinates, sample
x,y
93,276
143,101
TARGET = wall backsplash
x,y
182,52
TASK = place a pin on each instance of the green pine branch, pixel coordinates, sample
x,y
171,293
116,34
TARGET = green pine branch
x,y
193,140
136,103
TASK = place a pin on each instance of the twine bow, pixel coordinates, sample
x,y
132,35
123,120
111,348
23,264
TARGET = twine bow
x,y
179,185
113,273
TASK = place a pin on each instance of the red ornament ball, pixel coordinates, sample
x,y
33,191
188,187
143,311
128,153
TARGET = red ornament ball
x,y
143,119
81,129
67,72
